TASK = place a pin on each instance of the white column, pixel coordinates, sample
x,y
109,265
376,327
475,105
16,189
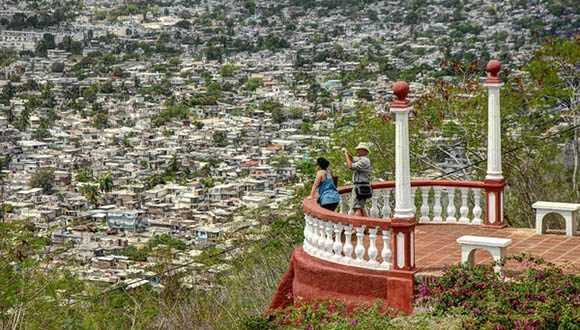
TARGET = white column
x,y
494,177
493,132
403,204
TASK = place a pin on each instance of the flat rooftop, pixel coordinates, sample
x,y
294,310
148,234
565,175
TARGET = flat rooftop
x,y
436,247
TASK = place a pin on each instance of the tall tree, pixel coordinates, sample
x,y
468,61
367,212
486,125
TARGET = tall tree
x,y
43,178
91,192
106,182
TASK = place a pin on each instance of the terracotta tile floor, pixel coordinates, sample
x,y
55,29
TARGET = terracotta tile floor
x,y
436,246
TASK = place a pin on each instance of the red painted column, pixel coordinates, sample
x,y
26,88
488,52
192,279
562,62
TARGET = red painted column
x,y
403,244
401,282
494,199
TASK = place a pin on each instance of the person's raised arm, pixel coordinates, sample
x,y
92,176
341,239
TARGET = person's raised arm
x,y
348,158
316,183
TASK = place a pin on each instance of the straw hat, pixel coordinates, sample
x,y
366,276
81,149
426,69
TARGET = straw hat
x,y
364,146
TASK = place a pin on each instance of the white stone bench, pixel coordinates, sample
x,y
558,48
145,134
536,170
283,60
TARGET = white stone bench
x,y
495,246
566,210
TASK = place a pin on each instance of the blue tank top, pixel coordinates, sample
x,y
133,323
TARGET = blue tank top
x,y
327,191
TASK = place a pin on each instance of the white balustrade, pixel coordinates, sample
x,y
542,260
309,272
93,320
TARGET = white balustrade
x,y
436,204
337,245
413,194
451,209
477,210
320,238
359,251
344,204
334,242
352,199
372,251
386,250
464,209
386,210
328,241
425,205
308,236
347,248
437,209
375,206
307,229
344,243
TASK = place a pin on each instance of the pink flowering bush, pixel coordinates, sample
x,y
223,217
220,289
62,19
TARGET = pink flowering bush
x,y
539,297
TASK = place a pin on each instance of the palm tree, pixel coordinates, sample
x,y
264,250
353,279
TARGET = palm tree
x,y
91,193
106,182
24,120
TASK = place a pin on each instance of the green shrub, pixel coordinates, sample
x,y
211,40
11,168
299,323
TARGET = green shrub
x,y
335,315
332,315
256,322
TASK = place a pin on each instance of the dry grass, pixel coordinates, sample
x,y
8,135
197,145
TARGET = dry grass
x,y
245,292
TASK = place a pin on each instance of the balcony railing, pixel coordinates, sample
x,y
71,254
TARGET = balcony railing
x,y
378,241
436,201
346,239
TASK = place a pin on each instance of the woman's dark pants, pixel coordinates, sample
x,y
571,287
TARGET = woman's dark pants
x,y
331,207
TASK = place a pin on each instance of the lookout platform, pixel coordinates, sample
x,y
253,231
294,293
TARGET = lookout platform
x,y
436,247
411,227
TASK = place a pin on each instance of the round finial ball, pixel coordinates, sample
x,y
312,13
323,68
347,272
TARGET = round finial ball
x,y
401,89
493,67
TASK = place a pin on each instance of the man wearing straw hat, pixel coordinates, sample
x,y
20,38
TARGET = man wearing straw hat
x,y
361,171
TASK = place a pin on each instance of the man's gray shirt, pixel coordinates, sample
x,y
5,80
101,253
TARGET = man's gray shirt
x,y
361,167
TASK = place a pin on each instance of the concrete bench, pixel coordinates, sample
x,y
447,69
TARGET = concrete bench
x,y
495,246
566,210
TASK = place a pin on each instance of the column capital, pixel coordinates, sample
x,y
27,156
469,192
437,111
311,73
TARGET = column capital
x,y
401,90
493,67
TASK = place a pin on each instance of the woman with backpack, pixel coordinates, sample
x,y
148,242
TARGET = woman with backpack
x,y
324,186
